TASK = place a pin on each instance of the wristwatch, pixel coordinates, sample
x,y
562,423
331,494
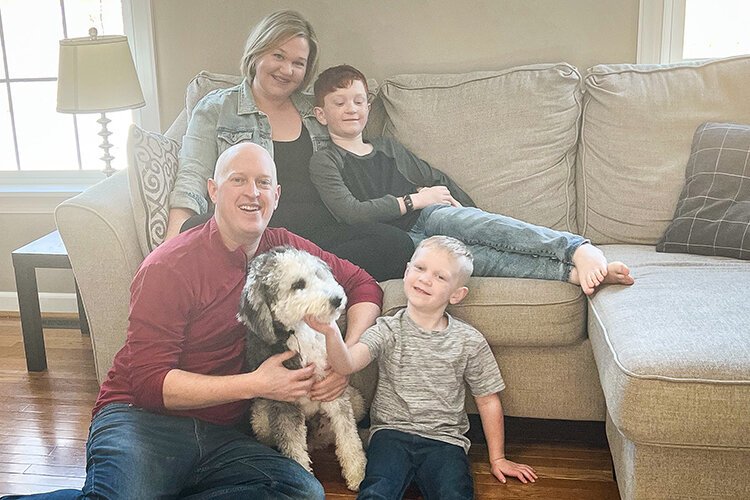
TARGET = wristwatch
x,y
408,203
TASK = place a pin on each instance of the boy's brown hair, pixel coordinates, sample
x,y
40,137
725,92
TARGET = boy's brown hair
x,y
336,77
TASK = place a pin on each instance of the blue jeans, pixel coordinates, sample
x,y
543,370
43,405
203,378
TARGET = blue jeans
x,y
135,454
502,246
395,459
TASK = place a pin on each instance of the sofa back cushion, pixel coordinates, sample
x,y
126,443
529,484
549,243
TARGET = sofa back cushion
x,y
508,138
638,124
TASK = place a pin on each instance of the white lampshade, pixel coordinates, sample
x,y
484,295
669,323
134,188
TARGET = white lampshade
x,y
96,75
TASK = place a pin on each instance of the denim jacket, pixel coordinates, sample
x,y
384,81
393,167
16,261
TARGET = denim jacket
x,y
223,118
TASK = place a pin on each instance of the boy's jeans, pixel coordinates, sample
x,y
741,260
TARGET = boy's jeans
x,y
135,454
502,246
441,470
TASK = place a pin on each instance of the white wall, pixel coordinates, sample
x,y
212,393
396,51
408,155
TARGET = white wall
x,y
381,37
387,37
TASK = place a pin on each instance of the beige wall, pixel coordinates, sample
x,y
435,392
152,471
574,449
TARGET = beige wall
x,y
382,38
387,37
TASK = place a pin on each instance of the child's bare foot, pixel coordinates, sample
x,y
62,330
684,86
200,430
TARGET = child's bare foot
x,y
616,273
619,274
590,268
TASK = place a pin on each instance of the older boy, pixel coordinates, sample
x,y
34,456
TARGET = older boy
x,y
381,181
425,358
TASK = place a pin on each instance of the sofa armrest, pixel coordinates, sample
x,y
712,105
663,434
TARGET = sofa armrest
x,y
98,230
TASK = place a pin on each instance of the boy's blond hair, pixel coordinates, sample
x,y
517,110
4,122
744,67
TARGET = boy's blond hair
x,y
455,248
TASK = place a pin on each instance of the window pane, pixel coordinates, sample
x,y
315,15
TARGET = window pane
x,y
46,139
88,130
32,29
716,28
7,151
2,62
104,15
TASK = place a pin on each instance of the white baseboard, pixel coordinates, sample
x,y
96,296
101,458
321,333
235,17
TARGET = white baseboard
x,y
48,302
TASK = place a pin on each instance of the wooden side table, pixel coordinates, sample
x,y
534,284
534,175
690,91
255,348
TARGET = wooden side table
x,y
46,252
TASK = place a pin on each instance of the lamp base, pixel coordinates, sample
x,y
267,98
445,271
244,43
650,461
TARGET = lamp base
x,y
105,145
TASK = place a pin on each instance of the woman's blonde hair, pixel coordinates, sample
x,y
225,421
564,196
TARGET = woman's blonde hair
x,y
271,32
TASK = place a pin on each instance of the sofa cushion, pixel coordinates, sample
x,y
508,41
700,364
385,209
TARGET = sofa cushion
x,y
672,350
513,311
713,212
508,138
203,83
537,332
152,169
638,124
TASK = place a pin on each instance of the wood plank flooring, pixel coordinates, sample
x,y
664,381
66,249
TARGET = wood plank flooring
x,y
44,420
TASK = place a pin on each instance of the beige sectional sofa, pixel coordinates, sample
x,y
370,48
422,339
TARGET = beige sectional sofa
x,y
665,362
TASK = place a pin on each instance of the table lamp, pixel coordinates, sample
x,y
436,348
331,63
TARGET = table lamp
x,y
96,75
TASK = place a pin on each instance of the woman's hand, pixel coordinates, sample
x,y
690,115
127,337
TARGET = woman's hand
x,y
177,217
502,467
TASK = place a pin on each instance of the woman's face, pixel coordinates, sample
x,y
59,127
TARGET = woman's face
x,y
279,72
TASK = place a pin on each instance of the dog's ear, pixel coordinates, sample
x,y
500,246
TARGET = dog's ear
x,y
255,311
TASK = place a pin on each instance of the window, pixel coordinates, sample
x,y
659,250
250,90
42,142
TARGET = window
x,y
677,30
34,136
716,28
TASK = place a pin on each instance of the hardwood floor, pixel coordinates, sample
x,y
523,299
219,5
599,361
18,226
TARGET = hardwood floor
x,y
44,420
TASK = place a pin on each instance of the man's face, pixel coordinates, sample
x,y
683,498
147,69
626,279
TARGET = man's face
x,y
345,111
245,193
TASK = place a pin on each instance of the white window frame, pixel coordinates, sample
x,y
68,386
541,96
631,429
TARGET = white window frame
x,y
661,31
20,190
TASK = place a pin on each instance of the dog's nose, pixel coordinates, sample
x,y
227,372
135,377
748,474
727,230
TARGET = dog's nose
x,y
335,302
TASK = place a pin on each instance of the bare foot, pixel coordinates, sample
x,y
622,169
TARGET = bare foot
x,y
590,268
619,274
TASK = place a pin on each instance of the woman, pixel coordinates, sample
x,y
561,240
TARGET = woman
x,y
268,108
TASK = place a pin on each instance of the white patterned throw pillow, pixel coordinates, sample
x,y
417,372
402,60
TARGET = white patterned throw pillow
x,y
152,169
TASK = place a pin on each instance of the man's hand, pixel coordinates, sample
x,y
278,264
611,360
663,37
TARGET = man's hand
x,y
282,384
502,467
330,387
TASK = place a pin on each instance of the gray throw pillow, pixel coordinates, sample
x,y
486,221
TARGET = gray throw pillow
x,y
713,211
152,170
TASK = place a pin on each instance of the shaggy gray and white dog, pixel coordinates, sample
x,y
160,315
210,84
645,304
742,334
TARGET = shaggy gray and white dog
x,y
283,286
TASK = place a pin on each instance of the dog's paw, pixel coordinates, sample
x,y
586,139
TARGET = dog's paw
x,y
354,478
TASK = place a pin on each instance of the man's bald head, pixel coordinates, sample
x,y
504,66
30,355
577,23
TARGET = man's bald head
x,y
242,152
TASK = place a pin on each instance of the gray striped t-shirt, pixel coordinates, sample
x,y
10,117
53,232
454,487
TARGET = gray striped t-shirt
x,y
423,375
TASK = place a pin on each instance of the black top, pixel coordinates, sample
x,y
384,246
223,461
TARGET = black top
x,y
375,175
300,208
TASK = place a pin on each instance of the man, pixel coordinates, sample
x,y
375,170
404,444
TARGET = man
x,y
165,420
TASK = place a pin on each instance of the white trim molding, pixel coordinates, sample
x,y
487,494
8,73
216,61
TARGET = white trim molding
x,y
39,192
48,302
139,28
661,31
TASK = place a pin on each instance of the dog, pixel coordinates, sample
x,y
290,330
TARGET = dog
x,y
283,286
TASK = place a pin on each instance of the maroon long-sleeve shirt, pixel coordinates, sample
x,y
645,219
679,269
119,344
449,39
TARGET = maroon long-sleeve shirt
x,y
183,307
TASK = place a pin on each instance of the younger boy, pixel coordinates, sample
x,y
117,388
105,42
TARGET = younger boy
x,y
382,181
425,358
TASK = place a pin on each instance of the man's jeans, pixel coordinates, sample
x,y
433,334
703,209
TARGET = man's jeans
x,y
135,454
440,470
502,246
